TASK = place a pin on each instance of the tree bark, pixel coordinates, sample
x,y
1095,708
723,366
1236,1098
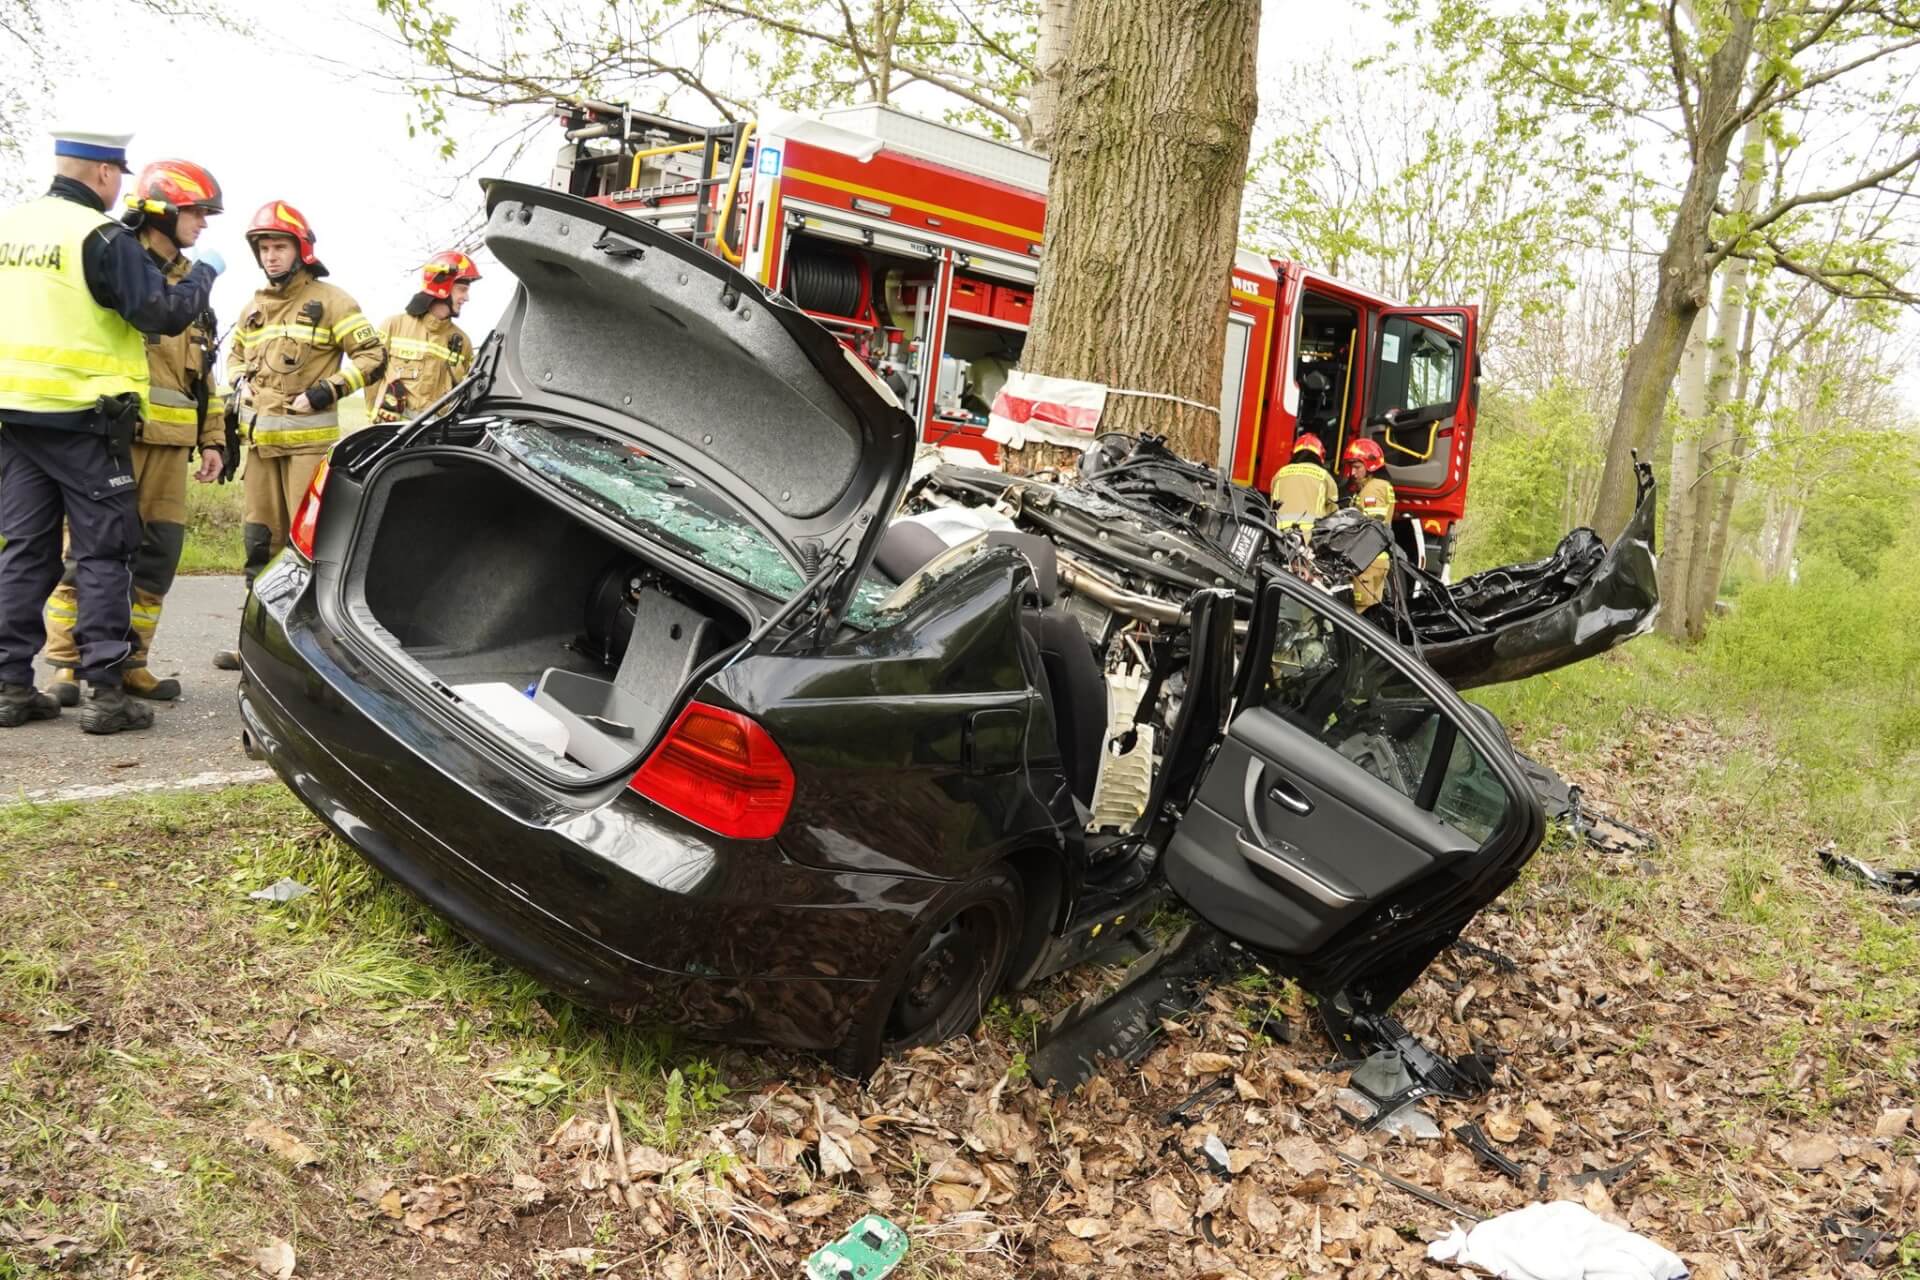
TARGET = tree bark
x,y
1713,572
1685,274
1049,66
1143,208
1690,404
1703,581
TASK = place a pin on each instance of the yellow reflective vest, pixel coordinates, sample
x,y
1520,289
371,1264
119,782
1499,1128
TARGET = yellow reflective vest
x,y
291,336
426,357
1302,493
60,350
180,367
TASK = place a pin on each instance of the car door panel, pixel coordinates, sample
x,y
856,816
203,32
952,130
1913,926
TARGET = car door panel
x,y
1315,833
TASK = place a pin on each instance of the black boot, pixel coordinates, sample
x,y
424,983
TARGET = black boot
x,y
110,710
20,703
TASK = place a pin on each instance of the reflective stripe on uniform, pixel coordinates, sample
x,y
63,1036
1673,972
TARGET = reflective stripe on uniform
x,y
349,325
170,406
60,612
312,335
416,349
146,617
353,377
43,292
280,437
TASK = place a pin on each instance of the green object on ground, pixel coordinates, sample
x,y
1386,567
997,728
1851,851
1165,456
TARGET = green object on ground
x,y
871,1248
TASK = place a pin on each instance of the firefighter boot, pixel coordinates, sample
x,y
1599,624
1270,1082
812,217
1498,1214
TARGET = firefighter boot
x,y
61,653
65,687
110,710
20,703
140,682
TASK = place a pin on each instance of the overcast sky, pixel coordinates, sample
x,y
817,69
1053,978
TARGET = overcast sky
x,y
288,111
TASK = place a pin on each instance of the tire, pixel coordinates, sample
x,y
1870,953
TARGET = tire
x,y
957,959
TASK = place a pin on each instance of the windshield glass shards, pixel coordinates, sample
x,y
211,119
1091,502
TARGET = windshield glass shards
x,y
649,494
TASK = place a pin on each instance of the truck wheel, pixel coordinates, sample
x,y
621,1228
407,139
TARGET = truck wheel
x,y
955,962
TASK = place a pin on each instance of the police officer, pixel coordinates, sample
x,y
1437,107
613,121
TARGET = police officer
x,y
287,375
1366,464
76,292
170,205
427,353
1304,490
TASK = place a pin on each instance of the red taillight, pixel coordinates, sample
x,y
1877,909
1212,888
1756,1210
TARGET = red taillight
x,y
300,532
720,769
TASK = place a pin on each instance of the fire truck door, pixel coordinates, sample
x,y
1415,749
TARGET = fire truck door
x,y
1421,390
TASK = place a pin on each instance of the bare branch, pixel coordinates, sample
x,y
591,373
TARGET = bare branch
x,y
1670,18
1827,196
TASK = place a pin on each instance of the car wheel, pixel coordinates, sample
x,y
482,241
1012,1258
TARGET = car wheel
x,y
956,961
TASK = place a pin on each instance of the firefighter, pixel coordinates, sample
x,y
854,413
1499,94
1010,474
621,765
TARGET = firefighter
x,y
1373,495
170,204
286,379
427,353
77,290
1304,490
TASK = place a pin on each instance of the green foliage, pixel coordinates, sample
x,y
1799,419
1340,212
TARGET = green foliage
x,y
1525,447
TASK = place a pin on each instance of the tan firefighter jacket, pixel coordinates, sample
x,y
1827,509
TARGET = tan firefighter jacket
x,y
181,369
1302,493
426,356
291,337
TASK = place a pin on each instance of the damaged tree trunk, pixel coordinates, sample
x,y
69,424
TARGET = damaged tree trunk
x,y
1149,158
1689,409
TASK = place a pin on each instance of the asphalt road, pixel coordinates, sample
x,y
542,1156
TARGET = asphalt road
x,y
194,741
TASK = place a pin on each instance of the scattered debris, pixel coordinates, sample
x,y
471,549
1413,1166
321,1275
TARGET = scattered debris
x,y
1850,1229
1474,1138
285,889
870,1250
1564,802
1904,885
1557,1241
1413,1189
67,1027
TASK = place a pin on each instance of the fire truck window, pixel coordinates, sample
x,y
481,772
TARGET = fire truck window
x,y
1419,367
1323,366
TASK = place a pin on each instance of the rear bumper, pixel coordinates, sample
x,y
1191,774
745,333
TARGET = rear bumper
x,y
611,902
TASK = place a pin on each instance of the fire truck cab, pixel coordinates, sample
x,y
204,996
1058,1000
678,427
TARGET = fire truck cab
x,y
919,245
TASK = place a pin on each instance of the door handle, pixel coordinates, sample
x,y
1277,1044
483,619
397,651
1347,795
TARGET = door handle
x,y
1315,886
1288,797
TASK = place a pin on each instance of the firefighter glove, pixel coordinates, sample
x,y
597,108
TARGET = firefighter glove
x,y
212,258
320,396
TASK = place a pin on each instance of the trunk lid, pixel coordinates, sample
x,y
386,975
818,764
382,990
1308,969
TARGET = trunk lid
x,y
641,332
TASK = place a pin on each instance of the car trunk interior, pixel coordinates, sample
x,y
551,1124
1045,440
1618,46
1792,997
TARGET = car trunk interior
x,y
546,628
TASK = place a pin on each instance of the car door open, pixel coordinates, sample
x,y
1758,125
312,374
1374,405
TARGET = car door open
x,y
1421,390
1356,814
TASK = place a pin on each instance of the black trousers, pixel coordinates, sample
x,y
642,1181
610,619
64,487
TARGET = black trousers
x,y
50,474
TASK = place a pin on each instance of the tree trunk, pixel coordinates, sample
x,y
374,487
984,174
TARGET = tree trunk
x,y
1049,66
1703,581
1690,404
1710,575
1685,275
1143,210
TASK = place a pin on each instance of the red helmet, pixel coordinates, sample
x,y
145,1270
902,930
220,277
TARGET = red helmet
x,y
167,186
445,270
278,218
1367,453
1310,444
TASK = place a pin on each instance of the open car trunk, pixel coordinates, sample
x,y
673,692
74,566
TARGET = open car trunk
x,y
540,626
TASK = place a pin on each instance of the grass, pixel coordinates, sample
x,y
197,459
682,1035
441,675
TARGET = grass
x,y
351,1019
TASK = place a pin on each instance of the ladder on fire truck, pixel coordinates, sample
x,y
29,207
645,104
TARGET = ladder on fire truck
x,y
648,164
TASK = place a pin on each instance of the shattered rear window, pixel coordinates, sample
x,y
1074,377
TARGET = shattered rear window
x,y
638,489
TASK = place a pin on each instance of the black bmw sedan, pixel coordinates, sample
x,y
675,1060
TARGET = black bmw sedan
x,y
624,658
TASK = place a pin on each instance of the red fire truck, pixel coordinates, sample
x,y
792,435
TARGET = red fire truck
x,y
919,244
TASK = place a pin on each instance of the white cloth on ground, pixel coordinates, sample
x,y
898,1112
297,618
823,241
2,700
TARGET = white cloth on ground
x,y
1558,1241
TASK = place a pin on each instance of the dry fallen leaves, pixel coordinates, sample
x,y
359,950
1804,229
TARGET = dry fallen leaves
x,y
281,1143
1811,1150
274,1259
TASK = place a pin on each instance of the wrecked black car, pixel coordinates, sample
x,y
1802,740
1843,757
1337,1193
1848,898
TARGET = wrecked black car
x,y
1140,529
617,659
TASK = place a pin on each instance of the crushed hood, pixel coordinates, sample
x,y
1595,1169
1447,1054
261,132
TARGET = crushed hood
x,y
629,327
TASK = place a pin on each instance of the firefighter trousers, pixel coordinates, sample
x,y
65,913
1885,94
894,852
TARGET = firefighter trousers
x,y
1370,584
274,487
48,474
160,492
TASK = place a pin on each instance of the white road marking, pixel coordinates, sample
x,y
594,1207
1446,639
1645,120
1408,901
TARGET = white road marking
x,y
213,778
